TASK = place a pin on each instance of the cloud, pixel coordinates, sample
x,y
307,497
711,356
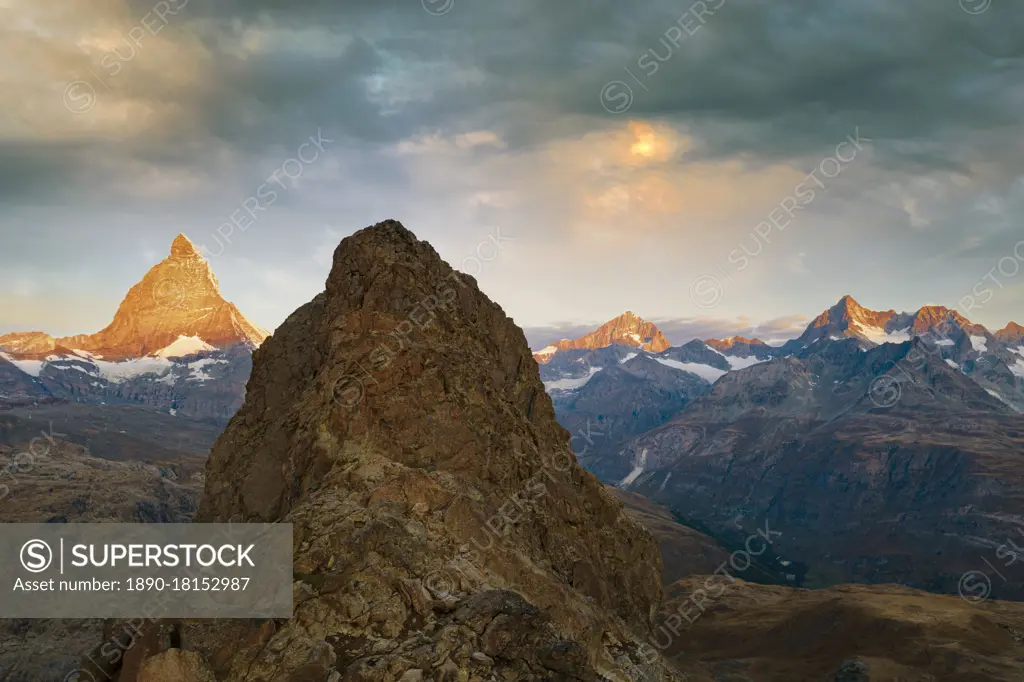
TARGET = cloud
x,y
491,115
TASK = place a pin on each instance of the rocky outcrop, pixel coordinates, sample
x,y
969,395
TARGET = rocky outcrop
x,y
27,342
1012,334
740,347
443,528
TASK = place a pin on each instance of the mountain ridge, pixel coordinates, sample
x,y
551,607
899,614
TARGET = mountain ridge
x,y
180,296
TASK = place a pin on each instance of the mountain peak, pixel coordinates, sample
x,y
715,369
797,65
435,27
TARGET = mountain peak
x,y
178,297
183,248
1011,333
731,341
628,328
445,424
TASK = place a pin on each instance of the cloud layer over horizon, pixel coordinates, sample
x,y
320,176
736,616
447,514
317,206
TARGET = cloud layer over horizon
x,y
643,157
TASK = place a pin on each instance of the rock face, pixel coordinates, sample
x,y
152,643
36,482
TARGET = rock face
x,y
27,342
443,528
741,347
886,465
849,319
627,329
174,344
178,297
1012,334
621,402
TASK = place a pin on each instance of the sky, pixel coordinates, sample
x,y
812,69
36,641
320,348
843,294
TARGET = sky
x,y
728,166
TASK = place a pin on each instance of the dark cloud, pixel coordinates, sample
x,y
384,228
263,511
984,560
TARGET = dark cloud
x,y
204,112
759,80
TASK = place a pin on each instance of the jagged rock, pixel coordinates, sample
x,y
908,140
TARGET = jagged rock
x,y
175,665
396,420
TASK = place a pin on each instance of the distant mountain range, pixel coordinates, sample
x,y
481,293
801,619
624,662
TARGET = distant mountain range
x,y
887,445
994,360
174,344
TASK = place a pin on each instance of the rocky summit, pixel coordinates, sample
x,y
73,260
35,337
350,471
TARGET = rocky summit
x,y
627,329
443,527
174,345
179,297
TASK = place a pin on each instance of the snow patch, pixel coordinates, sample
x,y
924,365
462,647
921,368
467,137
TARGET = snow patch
x,y
741,363
1018,368
628,357
197,368
638,469
32,368
706,372
980,343
185,345
635,337
570,384
545,352
945,342
119,372
714,350
880,336
952,364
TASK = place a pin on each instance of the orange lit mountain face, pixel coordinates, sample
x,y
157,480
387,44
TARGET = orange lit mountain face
x,y
1012,333
732,341
178,297
627,329
175,345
